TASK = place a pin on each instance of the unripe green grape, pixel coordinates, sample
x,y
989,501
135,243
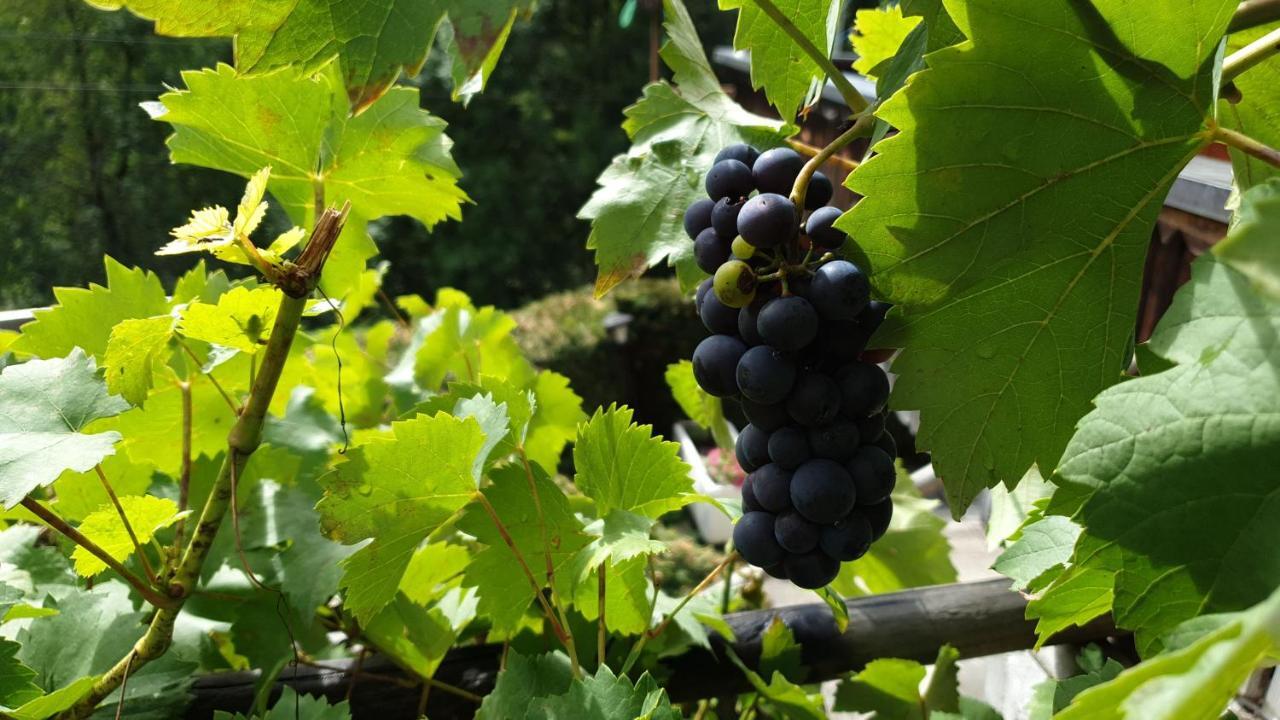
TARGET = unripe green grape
x,y
735,283
742,249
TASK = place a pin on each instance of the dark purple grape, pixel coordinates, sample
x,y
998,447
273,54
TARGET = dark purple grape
x,y
775,171
840,290
765,374
749,502
848,540
789,447
741,152
710,251
794,533
819,191
814,400
724,217
719,318
747,321
788,323
778,571
886,443
821,230
698,217
703,288
765,417
715,363
752,448
864,389
772,487
812,570
754,539
837,441
878,515
729,178
768,220
873,474
822,491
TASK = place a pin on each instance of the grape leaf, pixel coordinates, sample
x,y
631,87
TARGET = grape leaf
x,y
1193,683
604,696
878,33
241,319
556,416
1044,545
16,687
372,41
1250,245
132,353
385,491
44,407
1014,314
1257,114
942,30
305,429
790,77
637,212
391,160
628,600
1179,466
84,317
525,678
463,341
147,515
889,687
46,706
1052,695
621,465
292,706
790,699
417,637
495,572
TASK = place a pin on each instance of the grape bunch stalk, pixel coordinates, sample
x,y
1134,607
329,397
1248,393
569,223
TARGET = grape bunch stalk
x,y
789,320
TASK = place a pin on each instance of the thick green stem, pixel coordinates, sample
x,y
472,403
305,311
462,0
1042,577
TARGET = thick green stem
x,y
1253,13
1250,55
859,128
822,58
242,441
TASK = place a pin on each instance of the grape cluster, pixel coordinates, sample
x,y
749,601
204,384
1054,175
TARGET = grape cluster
x,y
789,320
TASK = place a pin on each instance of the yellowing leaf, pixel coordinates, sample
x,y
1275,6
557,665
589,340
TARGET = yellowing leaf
x,y
878,33
147,515
242,318
252,207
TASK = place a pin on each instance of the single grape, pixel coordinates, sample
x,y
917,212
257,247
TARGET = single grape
x,y
765,374
878,516
754,539
822,491
729,179
715,362
837,441
772,487
766,417
789,447
775,171
819,191
847,540
698,217
703,287
747,317
840,291
710,251
741,152
749,502
820,228
864,389
870,427
812,570
752,448
873,474
735,283
794,533
719,318
742,249
788,323
886,443
724,216
767,220
814,400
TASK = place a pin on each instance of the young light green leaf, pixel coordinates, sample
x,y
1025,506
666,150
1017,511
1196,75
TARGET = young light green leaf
x,y
417,637
628,599
1014,318
1044,545
618,536
1250,245
84,317
524,679
621,465
44,407
461,341
386,492
1253,111
1179,466
637,212
147,515
1075,597
292,706
790,77
1194,683
877,35
556,417
942,694
241,319
132,352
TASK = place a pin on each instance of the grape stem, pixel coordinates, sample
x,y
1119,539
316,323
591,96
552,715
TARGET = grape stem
x,y
1252,13
859,128
1250,55
821,58
805,148
666,619
1247,145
